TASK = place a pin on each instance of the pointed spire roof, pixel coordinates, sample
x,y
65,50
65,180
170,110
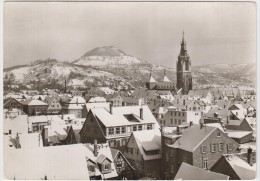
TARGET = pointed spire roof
x,y
165,78
151,77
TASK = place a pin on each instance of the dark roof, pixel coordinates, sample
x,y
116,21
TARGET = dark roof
x,y
189,172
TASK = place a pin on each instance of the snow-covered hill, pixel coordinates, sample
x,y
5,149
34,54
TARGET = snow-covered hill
x,y
113,66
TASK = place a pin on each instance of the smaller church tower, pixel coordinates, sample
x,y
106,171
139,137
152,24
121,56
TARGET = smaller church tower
x,y
184,77
152,83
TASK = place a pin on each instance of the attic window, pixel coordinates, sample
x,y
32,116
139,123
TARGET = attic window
x,y
131,118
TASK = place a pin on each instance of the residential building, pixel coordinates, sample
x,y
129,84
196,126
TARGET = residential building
x,y
235,167
198,145
143,151
11,103
115,125
34,107
123,168
54,106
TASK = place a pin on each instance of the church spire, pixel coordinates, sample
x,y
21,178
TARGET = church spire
x,y
183,45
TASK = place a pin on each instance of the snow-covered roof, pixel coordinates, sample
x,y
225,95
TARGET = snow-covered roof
x,y
152,79
241,168
237,133
34,103
97,105
16,125
78,99
118,116
189,172
148,140
165,79
27,141
66,162
97,99
193,136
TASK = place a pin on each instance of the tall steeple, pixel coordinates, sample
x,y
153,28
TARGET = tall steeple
x,y
183,51
184,78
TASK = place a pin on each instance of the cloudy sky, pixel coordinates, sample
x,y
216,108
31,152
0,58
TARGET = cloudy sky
x,y
216,32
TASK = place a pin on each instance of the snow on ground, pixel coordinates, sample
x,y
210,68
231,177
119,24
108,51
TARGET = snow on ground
x,y
20,73
108,60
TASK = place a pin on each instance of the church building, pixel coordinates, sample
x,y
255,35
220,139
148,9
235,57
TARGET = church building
x,y
165,84
184,77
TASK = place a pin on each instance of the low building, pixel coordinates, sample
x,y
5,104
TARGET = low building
x,y
34,107
143,151
12,103
123,168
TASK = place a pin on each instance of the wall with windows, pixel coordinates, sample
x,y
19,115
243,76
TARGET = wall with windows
x,y
133,155
91,130
208,153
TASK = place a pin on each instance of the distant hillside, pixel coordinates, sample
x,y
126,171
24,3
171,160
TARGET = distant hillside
x,y
110,66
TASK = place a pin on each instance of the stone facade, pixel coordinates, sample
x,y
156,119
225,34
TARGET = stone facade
x,y
184,77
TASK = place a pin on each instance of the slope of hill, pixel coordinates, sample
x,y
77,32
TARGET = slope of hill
x,y
110,66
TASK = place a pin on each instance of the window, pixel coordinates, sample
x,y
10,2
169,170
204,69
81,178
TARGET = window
x,y
128,129
205,163
179,114
179,121
203,149
171,114
171,121
136,151
149,126
175,121
106,166
118,130
139,127
221,146
229,146
91,168
130,150
134,128
183,114
218,133
123,130
175,113
110,131
213,148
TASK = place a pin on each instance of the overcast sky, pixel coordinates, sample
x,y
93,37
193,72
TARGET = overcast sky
x,y
216,32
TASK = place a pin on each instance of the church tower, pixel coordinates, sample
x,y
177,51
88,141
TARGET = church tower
x,y
184,78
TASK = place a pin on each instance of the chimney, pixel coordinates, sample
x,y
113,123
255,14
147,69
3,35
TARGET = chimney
x,y
10,131
249,156
65,86
141,113
17,141
184,102
45,136
95,148
178,130
111,108
191,123
201,125
215,114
